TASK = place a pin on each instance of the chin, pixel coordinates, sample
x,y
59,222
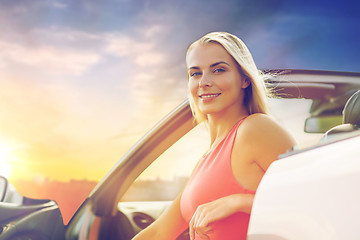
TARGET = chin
x,y
209,110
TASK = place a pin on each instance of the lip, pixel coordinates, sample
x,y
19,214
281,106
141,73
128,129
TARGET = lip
x,y
207,97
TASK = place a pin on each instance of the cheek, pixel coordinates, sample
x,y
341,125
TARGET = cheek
x,y
192,88
232,82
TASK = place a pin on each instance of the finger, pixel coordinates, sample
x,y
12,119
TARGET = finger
x,y
199,224
208,230
191,228
192,225
202,235
191,232
203,231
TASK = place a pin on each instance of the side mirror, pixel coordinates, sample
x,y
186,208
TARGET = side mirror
x,y
321,124
3,188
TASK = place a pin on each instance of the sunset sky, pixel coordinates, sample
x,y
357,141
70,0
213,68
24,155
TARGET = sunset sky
x,y
81,81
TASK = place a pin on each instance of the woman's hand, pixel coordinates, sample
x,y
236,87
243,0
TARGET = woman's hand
x,y
221,208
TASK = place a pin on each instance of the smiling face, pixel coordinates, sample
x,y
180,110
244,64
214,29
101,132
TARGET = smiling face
x,y
215,82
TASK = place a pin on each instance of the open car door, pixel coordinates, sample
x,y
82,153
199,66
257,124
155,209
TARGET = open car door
x,y
24,218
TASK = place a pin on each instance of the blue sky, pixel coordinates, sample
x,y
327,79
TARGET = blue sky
x,y
86,74
304,34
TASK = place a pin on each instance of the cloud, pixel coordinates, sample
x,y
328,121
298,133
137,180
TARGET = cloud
x,y
47,58
152,31
124,46
142,53
150,73
109,68
150,59
57,4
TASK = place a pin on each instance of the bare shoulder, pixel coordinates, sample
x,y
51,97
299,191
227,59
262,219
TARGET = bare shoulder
x,y
260,119
263,126
263,139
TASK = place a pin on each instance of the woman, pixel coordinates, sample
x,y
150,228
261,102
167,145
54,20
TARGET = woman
x,y
227,91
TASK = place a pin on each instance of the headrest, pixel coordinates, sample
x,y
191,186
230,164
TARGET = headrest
x,y
343,128
351,112
351,120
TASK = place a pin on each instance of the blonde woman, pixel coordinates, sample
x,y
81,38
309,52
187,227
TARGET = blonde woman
x,y
227,91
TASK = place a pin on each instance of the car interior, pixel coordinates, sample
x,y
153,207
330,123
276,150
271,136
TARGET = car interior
x,y
351,120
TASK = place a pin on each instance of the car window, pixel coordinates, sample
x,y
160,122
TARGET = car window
x,y
292,113
166,177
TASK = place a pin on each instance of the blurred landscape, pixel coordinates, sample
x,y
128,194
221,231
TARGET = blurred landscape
x,y
71,194
68,195
155,190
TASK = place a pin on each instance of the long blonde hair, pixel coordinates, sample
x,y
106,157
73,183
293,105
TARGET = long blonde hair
x,y
256,93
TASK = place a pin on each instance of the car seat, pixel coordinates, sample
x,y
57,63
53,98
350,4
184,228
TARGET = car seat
x,y
351,120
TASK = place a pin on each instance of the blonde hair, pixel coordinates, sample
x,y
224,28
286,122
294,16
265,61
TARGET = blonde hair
x,y
256,93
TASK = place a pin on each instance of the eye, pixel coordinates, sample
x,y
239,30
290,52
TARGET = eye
x,y
195,74
219,70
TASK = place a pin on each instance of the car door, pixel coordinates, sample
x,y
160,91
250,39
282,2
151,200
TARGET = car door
x,y
106,215
23,218
310,194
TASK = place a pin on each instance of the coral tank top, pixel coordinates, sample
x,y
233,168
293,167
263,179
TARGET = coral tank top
x,y
213,179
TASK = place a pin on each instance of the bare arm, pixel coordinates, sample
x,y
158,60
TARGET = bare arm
x,y
167,227
264,140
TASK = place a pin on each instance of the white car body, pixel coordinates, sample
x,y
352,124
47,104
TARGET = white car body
x,y
310,195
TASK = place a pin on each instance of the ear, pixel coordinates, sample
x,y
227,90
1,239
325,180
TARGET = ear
x,y
246,82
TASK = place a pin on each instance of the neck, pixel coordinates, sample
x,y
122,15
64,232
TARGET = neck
x,y
221,124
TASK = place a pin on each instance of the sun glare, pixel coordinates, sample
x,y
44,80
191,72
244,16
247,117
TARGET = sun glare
x,y
5,166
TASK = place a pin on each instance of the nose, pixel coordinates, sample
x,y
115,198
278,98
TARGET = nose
x,y
205,81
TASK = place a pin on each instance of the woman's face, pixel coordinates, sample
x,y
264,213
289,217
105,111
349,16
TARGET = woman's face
x,y
215,82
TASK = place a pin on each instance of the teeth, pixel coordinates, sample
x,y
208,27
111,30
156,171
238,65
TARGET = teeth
x,y
209,96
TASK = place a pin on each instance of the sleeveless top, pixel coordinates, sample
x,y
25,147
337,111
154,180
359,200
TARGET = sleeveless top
x,y
214,179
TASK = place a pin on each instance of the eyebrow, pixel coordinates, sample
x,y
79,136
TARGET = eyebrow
x,y
217,63
212,65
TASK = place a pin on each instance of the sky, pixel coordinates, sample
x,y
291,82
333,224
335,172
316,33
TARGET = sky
x,y
81,81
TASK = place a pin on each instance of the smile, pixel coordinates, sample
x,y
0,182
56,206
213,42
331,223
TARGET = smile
x,y
209,95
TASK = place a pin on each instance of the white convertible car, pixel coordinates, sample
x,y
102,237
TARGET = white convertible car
x,y
311,192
